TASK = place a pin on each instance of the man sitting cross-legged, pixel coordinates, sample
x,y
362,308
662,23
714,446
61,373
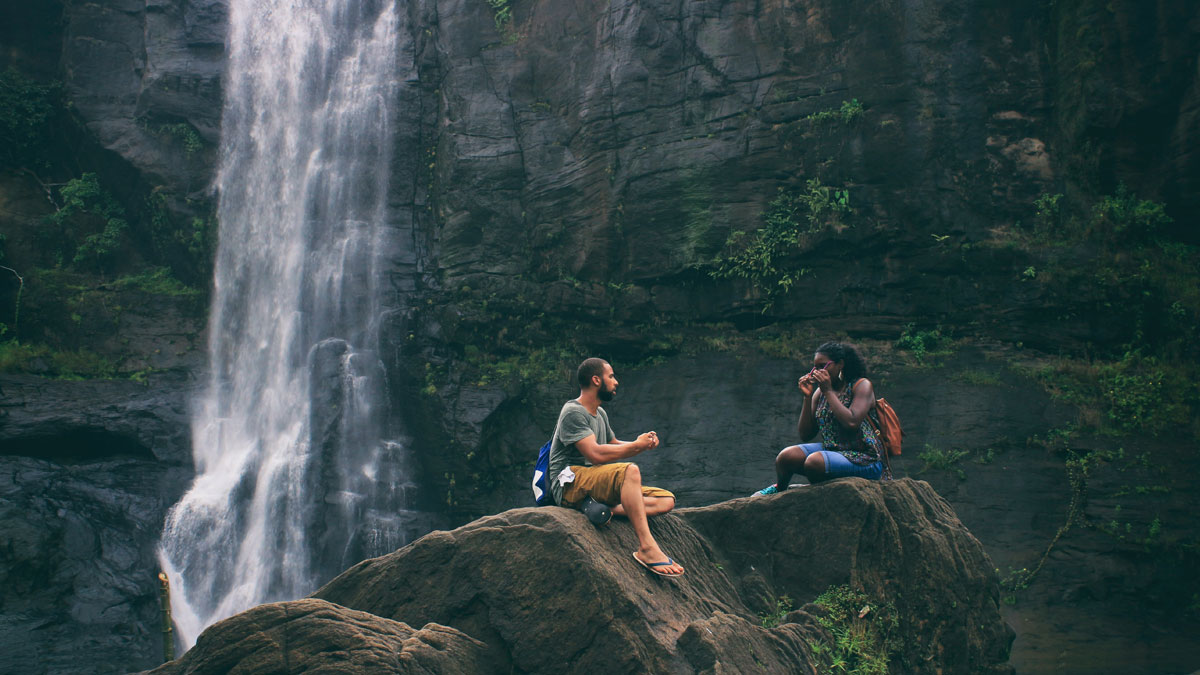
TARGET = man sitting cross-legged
x,y
583,463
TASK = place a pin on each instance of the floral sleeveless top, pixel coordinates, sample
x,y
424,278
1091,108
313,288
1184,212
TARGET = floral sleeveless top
x,y
860,446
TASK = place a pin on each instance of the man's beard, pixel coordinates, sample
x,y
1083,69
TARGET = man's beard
x,y
605,395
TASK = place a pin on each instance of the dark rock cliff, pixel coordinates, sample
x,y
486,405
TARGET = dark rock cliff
x,y
581,168
542,590
87,470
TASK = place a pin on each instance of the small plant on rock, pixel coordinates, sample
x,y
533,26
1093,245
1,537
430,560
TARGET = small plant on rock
x,y
924,344
943,460
783,605
848,112
864,632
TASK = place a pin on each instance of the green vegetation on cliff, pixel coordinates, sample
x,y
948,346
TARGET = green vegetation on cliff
x,y
16,357
26,108
84,244
848,112
1139,285
765,257
96,252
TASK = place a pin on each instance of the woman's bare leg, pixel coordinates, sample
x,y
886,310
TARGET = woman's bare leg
x,y
791,461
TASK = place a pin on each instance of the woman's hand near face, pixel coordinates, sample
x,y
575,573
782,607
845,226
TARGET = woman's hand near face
x,y
807,385
823,380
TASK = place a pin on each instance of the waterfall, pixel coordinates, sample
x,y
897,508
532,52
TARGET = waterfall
x,y
297,472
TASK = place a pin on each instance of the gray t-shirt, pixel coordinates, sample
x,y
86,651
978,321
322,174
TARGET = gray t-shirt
x,y
575,423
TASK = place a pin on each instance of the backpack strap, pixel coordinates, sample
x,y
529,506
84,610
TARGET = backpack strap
x,y
873,416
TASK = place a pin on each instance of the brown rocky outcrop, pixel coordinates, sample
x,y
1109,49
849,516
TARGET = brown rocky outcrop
x,y
548,592
316,636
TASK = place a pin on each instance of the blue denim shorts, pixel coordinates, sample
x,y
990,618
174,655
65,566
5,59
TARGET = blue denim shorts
x,y
837,466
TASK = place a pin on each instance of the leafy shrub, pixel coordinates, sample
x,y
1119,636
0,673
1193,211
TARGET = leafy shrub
x,y
1127,217
25,111
1133,391
943,460
186,135
1140,280
923,344
1132,394
1048,209
783,605
864,632
84,195
759,256
848,112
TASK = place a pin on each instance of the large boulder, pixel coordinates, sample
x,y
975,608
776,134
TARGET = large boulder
x,y
546,591
318,636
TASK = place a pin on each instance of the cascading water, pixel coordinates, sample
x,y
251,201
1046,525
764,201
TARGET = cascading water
x,y
295,476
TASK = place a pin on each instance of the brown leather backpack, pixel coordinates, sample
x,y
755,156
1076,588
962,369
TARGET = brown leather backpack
x,y
887,426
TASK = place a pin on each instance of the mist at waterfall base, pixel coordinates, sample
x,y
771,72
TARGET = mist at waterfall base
x,y
298,473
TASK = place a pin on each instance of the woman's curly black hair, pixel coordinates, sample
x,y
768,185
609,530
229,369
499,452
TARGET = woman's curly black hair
x,y
855,366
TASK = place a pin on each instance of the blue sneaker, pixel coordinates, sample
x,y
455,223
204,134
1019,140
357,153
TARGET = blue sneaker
x,y
769,490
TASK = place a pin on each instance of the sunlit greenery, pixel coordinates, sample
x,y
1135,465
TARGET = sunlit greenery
x,y
848,112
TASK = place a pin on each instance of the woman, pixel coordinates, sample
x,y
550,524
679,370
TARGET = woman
x,y
837,400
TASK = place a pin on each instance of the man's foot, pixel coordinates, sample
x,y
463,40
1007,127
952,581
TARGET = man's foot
x,y
663,568
769,490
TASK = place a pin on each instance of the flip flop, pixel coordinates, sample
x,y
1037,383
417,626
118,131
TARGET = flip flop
x,y
653,567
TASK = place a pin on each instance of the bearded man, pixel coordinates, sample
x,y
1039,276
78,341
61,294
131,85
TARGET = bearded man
x,y
584,463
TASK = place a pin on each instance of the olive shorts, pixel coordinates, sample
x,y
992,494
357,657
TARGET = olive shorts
x,y
603,483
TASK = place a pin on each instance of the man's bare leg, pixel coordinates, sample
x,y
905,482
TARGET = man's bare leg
x,y
633,506
655,506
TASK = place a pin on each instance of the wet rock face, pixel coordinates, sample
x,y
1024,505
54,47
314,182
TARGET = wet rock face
x,y
624,142
542,590
87,472
94,420
138,68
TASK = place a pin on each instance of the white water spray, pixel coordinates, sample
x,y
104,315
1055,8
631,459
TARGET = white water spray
x,y
295,477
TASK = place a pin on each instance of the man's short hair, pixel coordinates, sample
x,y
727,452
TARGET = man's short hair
x,y
588,369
